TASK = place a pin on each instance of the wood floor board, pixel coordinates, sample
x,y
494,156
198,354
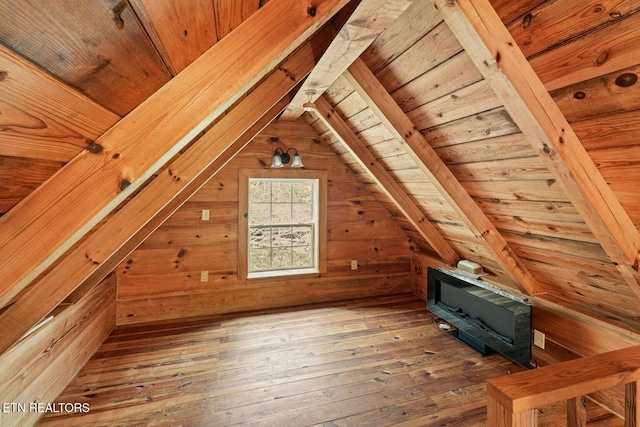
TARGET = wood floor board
x,y
372,362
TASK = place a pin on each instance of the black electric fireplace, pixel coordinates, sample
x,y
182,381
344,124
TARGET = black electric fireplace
x,y
484,317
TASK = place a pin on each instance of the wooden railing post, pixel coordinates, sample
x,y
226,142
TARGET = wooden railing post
x,y
577,412
631,412
499,416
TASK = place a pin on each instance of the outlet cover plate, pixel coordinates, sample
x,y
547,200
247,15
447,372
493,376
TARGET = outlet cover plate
x,y
538,339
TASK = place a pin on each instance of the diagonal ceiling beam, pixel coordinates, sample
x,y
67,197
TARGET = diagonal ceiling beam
x,y
108,246
497,56
366,23
401,127
385,181
35,233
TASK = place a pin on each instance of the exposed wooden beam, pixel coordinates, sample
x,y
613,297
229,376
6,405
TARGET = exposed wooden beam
x,y
101,252
369,19
385,181
497,56
401,127
67,120
54,217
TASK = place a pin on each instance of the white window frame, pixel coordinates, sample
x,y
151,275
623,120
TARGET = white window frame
x,y
319,214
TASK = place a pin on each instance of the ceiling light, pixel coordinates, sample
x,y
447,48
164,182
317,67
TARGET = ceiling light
x,y
309,106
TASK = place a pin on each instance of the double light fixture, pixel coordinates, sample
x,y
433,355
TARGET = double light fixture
x,y
282,157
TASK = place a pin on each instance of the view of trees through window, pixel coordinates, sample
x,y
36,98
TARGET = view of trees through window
x,y
281,224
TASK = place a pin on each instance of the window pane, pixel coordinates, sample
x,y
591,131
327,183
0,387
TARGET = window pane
x,y
302,192
281,258
281,213
281,192
281,237
302,256
260,191
259,259
259,213
301,236
260,237
301,213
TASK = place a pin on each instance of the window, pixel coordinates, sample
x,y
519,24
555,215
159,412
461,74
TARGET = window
x,y
282,219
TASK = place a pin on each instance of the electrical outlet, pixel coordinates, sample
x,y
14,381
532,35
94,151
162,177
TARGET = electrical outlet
x,y
205,214
538,338
204,276
354,264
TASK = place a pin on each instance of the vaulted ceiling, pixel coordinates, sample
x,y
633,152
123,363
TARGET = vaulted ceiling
x,y
505,132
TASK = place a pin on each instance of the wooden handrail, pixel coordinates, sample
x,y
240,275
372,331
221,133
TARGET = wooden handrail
x,y
513,400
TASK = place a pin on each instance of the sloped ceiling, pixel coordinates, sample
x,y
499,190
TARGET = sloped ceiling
x,y
495,174
538,195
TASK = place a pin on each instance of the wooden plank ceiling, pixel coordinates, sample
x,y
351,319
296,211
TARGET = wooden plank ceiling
x,y
507,138
496,121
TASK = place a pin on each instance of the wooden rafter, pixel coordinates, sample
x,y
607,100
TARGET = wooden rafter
x,y
401,127
69,119
385,181
497,56
121,234
98,180
369,19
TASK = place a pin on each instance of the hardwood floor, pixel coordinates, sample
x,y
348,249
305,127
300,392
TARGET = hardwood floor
x,y
371,362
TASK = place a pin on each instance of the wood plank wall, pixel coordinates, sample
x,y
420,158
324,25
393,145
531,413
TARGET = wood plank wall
x,y
161,279
39,367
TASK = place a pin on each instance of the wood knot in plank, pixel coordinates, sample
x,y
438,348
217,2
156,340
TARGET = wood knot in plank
x,y
3,75
311,11
602,58
94,147
526,20
626,80
546,149
124,184
117,14
103,63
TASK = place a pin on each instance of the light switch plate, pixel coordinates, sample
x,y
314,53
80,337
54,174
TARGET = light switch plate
x,y
205,214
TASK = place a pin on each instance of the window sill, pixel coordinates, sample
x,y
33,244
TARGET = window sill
x,y
281,273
